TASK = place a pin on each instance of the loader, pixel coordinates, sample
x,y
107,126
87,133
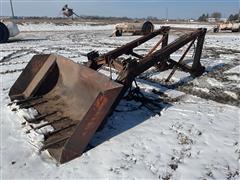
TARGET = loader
x,y
75,99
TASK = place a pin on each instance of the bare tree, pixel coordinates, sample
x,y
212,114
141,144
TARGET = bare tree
x,y
216,15
203,17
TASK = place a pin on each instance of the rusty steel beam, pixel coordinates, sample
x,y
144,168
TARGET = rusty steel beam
x,y
180,61
184,67
163,53
155,47
136,55
127,75
130,46
197,68
127,49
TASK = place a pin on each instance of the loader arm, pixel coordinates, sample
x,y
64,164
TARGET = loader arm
x,y
162,54
138,66
96,62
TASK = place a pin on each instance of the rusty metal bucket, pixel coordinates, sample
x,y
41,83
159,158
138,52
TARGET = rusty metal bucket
x,y
71,97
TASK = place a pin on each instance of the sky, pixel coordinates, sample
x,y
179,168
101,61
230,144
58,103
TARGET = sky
x,y
173,9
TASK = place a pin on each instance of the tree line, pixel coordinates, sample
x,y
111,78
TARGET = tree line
x,y
217,16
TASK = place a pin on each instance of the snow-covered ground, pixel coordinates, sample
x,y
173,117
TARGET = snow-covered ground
x,y
194,135
63,27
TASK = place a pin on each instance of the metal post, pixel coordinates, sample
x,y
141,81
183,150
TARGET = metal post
x,y
163,65
167,14
12,9
197,68
165,39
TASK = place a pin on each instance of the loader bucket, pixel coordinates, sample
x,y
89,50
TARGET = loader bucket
x,y
71,97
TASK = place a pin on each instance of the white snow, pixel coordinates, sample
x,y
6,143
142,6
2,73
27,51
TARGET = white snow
x,y
224,41
232,94
182,25
26,117
233,74
192,138
201,89
214,82
233,70
71,27
234,77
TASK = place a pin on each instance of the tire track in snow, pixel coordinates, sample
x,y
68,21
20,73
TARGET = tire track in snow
x,y
12,71
18,54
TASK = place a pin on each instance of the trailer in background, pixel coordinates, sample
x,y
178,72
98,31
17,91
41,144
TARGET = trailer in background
x,y
133,28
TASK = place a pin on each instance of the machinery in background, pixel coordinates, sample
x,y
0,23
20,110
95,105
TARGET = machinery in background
x,y
68,12
8,29
133,28
228,26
